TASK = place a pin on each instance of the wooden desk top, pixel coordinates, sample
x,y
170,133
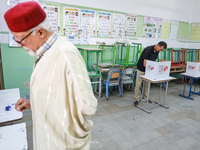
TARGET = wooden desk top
x,y
179,67
108,65
14,137
157,81
92,49
107,45
103,69
9,97
190,75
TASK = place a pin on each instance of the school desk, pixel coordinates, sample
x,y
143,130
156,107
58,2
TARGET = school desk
x,y
149,83
191,83
91,56
9,97
13,137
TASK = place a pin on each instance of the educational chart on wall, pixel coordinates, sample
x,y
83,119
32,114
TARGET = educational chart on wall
x,y
148,27
53,14
131,24
118,25
183,31
173,30
88,21
165,29
195,32
139,29
157,27
71,24
103,24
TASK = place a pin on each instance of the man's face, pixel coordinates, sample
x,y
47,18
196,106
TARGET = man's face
x,y
159,48
31,42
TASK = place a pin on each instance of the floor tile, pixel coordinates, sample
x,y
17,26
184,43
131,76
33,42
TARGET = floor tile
x,y
187,142
119,125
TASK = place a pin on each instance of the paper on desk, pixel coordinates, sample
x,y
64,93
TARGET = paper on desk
x,y
13,137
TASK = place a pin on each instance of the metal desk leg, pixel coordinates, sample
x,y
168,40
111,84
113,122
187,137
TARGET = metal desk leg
x,y
185,85
183,95
148,95
193,92
142,91
97,82
195,85
190,87
95,86
163,103
146,108
99,87
159,93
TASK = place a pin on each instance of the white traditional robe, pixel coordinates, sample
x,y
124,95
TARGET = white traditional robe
x,y
61,97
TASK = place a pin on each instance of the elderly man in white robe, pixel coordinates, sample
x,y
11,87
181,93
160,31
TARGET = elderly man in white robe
x,y
60,90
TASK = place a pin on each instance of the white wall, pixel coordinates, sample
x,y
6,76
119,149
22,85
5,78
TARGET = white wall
x,y
3,9
196,12
181,10
170,9
195,18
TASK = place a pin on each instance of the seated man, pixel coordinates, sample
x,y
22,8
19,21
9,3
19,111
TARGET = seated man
x,y
149,53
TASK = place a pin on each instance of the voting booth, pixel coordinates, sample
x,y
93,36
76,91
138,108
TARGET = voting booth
x,y
157,70
193,68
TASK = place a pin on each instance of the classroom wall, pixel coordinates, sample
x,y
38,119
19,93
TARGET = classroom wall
x,y
195,18
17,64
181,10
169,9
3,26
196,11
17,67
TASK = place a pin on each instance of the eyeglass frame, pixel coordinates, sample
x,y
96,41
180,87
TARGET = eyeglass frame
x,y
19,42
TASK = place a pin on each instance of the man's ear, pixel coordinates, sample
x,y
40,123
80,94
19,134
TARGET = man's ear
x,y
41,32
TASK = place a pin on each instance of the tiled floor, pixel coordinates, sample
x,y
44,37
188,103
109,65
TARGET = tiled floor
x,y
118,125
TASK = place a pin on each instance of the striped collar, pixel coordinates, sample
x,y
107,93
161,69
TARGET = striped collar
x,y
46,46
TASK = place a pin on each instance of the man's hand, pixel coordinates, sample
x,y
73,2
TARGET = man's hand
x,y
144,63
22,104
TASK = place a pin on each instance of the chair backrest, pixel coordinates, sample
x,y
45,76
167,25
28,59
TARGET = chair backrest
x,y
114,73
129,71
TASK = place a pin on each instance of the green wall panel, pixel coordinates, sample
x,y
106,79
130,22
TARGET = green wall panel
x,y
17,67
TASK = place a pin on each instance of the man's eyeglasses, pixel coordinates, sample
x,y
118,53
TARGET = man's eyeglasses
x,y
15,39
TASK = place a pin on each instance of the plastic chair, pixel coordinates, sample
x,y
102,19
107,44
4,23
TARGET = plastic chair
x,y
113,79
127,77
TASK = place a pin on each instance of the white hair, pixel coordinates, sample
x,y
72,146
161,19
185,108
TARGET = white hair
x,y
45,25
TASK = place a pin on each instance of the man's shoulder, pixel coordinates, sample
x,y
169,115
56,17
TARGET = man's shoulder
x,y
64,44
150,47
63,41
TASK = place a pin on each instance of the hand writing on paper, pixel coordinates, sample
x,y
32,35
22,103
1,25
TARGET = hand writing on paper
x,y
22,104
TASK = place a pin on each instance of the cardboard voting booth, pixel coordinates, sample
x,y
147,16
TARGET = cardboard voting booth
x,y
157,70
193,68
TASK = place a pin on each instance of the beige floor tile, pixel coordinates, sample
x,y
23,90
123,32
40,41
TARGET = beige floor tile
x,y
162,130
177,116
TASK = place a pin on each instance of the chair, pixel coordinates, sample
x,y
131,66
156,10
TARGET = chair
x,y
113,79
127,77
